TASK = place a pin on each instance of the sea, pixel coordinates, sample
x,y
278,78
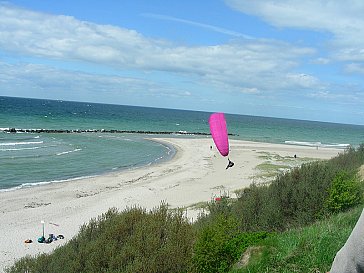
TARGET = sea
x,y
72,140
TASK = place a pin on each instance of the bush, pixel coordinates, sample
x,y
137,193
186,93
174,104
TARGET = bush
x,y
344,192
293,199
220,244
301,196
131,241
257,209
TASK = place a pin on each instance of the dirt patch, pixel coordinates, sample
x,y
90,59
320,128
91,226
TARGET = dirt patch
x,y
245,258
361,172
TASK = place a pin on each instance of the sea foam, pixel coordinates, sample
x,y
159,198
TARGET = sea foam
x,y
317,144
21,143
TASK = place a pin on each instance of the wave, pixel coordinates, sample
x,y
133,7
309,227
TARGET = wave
x,y
68,152
20,149
21,143
343,146
18,138
34,184
318,144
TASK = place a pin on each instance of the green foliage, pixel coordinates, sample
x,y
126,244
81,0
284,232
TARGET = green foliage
x,y
220,206
215,209
131,241
308,249
344,193
220,244
298,197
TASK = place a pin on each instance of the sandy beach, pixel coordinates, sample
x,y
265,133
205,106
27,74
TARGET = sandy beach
x,y
195,174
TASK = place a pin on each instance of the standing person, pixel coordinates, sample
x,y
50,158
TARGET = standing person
x,y
350,258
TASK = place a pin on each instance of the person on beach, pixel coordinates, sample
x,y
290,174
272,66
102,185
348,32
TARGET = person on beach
x,y
350,258
230,164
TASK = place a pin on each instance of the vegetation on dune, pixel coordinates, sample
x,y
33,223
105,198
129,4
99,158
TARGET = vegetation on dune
x,y
307,249
219,241
301,196
297,223
130,241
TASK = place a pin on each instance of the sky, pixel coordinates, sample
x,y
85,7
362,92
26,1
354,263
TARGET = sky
x,y
289,59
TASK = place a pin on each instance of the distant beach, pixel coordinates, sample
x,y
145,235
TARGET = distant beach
x,y
195,174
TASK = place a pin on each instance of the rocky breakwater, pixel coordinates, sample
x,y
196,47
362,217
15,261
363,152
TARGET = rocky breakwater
x,y
67,131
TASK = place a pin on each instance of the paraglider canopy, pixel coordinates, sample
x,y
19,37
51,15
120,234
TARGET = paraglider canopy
x,y
219,132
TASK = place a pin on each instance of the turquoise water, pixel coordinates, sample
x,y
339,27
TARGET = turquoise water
x,y
30,159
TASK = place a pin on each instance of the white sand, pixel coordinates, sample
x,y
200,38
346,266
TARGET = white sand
x,y
195,174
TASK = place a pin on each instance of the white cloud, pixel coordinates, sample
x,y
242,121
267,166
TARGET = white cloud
x,y
245,67
321,60
344,95
355,68
302,80
249,90
264,64
343,19
55,83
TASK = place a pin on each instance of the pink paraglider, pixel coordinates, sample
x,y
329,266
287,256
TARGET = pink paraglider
x,y
219,134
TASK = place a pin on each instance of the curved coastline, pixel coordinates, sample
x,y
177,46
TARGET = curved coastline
x,y
168,155
194,174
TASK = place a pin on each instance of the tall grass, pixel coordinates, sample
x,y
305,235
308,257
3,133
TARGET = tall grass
x,y
308,249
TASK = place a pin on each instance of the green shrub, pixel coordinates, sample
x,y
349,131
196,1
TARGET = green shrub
x,y
299,197
220,244
131,241
344,192
293,199
220,205
257,209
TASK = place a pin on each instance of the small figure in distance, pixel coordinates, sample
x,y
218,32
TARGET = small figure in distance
x,y
295,156
230,164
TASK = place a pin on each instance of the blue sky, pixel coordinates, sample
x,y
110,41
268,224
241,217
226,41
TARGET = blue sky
x,y
289,58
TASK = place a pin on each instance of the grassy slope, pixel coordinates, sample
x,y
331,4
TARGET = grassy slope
x,y
309,249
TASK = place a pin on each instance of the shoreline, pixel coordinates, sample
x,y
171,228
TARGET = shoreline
x,y
160,160
194,174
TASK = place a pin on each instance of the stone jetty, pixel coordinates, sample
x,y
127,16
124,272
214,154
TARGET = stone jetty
x,y
67,131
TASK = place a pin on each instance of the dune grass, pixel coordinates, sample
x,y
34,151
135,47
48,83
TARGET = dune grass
x,y
275,165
